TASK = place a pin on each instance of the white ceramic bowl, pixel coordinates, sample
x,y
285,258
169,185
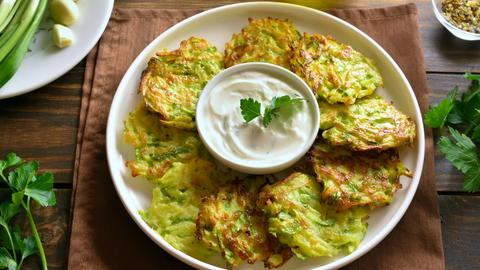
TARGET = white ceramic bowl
x,y
437,9
268,163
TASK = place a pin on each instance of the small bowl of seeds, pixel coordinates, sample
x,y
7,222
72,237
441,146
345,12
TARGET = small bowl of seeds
x,y
460,17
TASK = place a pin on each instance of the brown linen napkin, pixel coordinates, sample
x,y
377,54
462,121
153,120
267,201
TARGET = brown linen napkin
x,y
103,236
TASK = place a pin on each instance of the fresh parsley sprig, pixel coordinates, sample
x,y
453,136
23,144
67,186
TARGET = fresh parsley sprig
x,y
251,108
461,154
25,185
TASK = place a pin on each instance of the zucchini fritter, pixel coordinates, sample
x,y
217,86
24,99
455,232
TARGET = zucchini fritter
x,y
177,200
172,82
370,124
158,146
239,226
334,72
264,40
298,218
356,178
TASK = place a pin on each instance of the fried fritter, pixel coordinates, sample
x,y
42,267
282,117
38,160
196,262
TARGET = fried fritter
x,y
370,124
356,178
177,200
239,226
264,40
298,218
334,72
158,146
173,81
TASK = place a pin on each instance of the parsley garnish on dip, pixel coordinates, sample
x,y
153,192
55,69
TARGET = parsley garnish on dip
x,y
253,142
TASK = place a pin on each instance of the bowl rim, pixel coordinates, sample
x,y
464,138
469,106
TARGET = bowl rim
x,y
275,71
465,35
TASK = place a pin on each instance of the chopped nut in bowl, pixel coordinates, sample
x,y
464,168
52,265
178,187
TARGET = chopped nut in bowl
x,y
460,17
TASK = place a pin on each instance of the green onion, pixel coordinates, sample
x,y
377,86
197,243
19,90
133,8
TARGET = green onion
x,y
17,37
6,36
18,15
10,15
5,8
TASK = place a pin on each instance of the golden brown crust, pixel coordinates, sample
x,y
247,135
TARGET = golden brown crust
x,y
239,227
173,81
335,72
265,40
356,178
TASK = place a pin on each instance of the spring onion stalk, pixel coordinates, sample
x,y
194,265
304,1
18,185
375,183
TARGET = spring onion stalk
x,y
7,35
18,15
15,48
10,15
25,23
5,8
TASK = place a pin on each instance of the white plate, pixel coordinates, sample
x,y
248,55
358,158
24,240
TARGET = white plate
x,y
217,26
46,62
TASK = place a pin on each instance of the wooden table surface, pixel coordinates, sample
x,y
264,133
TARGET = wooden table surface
x,y
42,125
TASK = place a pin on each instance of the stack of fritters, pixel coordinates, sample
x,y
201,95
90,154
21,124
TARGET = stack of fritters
x,y
239,226
200,210
173,81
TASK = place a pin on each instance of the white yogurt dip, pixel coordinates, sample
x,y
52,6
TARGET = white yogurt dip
x,y
227,133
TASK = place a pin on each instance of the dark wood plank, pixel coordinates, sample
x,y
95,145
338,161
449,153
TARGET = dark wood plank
x,y
460,219
42,125
52,226
460,216
443,52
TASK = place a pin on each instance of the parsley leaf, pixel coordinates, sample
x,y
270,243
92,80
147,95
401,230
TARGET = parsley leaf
x,y
469,76
7,213
40,189
11,160
250,109
26,185
27,246
25,181
6,260
437,115
21,176
277,102
463,155
476,134
5,238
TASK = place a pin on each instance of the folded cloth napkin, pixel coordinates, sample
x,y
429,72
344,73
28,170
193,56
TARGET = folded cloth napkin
x,y
103,235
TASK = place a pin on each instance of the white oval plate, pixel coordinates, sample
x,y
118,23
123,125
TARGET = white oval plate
x,y
46,62
217,26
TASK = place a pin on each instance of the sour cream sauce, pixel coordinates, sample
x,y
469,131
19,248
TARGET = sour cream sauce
x,y
252,143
